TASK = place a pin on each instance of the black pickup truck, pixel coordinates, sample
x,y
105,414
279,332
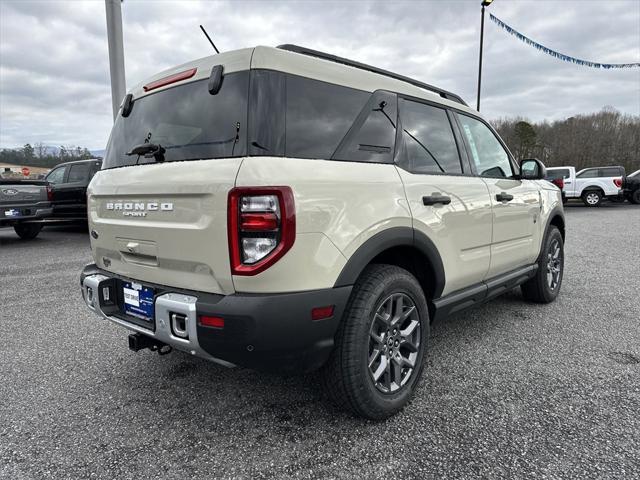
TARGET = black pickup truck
x,y
631,187
24,204
69,183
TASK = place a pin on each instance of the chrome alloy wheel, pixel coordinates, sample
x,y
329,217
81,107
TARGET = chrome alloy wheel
x,y
394,342
554,265
592,198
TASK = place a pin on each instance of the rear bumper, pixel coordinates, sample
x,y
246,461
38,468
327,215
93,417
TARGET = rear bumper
x,y
272,332
14,214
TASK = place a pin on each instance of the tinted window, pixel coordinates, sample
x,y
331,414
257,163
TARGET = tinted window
x,y
78,173
187,121
553,174
267,113
318,116
489,156
590,173
428,143
372,136
56,175
611,172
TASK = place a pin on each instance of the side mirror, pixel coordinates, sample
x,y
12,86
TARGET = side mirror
x,y
532,169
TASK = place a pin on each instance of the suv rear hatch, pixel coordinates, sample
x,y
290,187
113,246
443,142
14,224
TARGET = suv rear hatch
x,y
163,219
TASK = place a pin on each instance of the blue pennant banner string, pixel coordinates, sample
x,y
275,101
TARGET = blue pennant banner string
x,y
555,54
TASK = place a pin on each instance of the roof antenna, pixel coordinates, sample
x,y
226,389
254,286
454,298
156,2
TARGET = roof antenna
x,y
209,38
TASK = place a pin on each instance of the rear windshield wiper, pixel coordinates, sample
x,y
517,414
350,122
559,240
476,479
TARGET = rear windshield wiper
x,y
149,150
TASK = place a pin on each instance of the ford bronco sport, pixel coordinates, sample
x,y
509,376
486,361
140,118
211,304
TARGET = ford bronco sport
x,y
285,209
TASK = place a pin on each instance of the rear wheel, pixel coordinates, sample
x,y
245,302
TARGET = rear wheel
x,y
28,231
545,285
635,197
592,198
380,344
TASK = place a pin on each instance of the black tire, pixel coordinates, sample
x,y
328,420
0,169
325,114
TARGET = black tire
x,y
540,288
592,198
635,197
347,376
28,231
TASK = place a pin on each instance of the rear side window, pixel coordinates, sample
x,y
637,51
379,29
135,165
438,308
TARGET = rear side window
x,y
590,173
428,143
372,136
318,116
611,172
187,121
78,172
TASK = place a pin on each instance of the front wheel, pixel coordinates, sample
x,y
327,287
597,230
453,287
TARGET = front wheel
x,y
28,231
380,345
545,285
592,198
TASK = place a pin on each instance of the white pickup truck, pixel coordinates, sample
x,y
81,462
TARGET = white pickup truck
x,y
590,184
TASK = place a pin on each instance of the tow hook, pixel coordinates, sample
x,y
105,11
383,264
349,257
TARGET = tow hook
x,y
138,342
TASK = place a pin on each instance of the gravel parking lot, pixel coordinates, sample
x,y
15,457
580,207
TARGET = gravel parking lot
x,y
510,389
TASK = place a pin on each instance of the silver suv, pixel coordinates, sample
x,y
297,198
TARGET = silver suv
x,y
285,209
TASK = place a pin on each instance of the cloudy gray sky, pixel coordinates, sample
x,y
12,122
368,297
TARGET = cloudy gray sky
x,y
54,71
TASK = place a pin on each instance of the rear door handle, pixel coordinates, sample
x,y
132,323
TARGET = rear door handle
x,y
504,197
435,199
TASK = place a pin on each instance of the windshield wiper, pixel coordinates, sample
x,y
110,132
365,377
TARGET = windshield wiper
x,y
149,150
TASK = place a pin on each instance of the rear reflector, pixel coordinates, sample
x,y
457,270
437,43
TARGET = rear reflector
x,y
258,222
215,322
320,313
176,77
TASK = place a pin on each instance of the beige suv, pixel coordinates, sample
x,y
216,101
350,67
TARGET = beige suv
x,y
285,209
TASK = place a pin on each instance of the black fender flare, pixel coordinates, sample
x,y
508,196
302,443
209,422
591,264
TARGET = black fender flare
x,y
393,237
556,211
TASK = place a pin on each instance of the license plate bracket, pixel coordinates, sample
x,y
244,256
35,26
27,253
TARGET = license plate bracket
x,y
138,301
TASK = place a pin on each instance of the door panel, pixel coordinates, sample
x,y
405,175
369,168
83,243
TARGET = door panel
x,y
515,203
515,224
461,230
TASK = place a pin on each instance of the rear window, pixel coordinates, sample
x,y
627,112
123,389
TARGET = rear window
x,y
187,121
555,174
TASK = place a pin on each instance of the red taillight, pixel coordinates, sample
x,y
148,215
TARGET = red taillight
x,y
176,77
258,222
215,322
261,227
617,182
320,313
49,193
559,182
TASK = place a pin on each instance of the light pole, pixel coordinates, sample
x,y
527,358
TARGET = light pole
x,y
116,53
485,3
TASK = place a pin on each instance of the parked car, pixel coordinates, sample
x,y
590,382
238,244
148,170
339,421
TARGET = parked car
x,y
631,187
591,185
23,206
316,236
69,188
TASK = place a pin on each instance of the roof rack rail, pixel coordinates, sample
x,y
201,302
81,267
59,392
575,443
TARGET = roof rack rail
x,y
369,68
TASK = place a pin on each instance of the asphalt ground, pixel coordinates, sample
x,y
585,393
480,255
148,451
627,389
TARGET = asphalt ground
x,y
510,390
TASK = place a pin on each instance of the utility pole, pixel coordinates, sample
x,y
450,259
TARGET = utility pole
x,y
485,3
116,53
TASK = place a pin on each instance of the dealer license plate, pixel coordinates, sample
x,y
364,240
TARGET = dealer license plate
x,y
138,300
